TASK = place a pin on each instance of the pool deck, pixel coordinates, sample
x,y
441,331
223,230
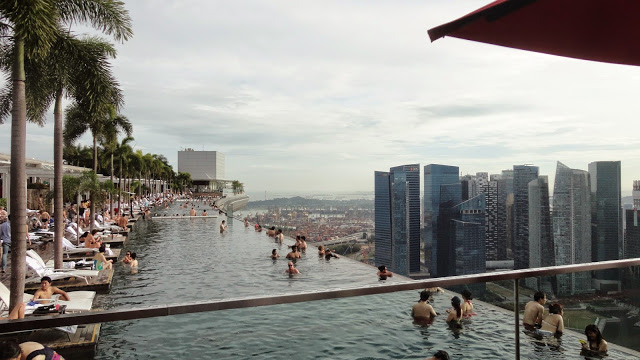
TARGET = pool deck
x,y
80,345
114,240
78,257
100,284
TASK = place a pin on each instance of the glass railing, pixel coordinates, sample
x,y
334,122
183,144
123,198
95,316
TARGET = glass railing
x,y
374,321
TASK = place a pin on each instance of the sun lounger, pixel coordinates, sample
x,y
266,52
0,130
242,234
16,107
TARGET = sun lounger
x,y
37,265
79,300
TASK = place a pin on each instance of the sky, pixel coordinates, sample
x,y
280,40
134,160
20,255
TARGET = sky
x,y
314,96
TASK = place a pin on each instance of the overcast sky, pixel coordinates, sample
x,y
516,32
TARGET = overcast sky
x,y
317,95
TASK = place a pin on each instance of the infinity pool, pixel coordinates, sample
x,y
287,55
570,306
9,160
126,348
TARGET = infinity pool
x,y
189,259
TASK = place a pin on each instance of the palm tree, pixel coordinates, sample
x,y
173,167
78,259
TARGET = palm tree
x,y
102,120
70,66
123,150
110,141
33,25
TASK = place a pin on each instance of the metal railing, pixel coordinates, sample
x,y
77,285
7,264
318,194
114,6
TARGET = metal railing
x,y
91,317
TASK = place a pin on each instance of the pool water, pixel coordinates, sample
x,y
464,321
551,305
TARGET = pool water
x,y
183,260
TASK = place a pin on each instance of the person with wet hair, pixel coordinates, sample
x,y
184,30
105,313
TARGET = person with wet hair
x,y
467,306
595,344
274,254
383,273
455,313
422,312
321,251
554,323
293,254
533,311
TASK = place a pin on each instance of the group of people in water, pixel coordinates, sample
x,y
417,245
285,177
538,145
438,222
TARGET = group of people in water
x,y
537,325
299,248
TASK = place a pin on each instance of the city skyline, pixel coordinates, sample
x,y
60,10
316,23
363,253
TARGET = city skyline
x,y
295,93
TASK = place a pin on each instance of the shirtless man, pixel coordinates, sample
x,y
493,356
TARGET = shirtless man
x,y
291,270
280,236
46,291
192,212
204,213
271,231
383,273
533,311
422,312
223,226
293,254
303,243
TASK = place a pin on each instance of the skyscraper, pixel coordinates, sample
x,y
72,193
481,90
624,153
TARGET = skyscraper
x,y
382,218
397,219
468,237
434,176
632,233
496,222
541,252
412,176
606,215
572,227
522,176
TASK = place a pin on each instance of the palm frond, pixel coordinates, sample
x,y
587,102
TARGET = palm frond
x,y
108,16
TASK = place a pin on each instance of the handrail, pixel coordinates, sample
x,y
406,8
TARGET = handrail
x,y
237,303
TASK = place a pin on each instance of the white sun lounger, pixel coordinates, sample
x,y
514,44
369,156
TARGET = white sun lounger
x,y
79,300
35,263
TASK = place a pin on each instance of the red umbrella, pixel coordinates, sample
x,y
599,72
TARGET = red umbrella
x,y
598,30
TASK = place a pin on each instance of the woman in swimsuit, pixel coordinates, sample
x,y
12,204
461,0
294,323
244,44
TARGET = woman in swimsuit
x,y
455,314
467,306
10,350
595,344
554,323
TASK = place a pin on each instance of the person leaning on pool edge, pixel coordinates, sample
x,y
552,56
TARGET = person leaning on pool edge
x,y
383,273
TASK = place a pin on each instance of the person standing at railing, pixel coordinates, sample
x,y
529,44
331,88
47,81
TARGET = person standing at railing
x,y
533,311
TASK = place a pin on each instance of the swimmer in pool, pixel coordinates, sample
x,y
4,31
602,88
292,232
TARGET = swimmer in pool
x,y
383,273
533,311
291,270
467,306
293,254
422,312
274,254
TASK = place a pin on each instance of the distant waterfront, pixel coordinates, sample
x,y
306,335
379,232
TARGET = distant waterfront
x,y
317,195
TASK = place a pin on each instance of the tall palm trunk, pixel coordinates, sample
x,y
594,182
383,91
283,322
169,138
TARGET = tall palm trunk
x,y
58,210
18,194
110,196
119,188
92,213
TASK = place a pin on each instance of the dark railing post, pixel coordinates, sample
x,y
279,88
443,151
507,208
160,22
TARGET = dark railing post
x,y
516,311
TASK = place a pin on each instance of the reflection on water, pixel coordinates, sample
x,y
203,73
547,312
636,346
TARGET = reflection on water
x,y
187,260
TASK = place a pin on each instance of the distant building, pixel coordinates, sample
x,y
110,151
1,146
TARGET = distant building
x,y
434,177
382,218
496,222
572,227
205,167
632,233
522,176
541,251
606,216
468,237
397,215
